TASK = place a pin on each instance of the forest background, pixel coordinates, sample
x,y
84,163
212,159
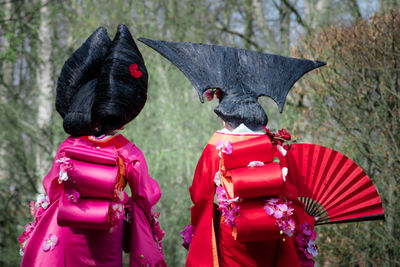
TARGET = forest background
x,y
351,105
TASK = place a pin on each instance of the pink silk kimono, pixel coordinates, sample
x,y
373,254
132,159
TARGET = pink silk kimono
x,y
47,244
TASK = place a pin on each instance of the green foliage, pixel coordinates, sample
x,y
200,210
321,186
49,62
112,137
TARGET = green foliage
x,y
355,108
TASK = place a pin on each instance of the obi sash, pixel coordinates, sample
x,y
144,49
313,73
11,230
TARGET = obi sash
x,y
93,173
254,224
244,152
253,184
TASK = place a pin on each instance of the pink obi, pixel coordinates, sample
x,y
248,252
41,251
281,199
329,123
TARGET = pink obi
x,y
255,178
92,172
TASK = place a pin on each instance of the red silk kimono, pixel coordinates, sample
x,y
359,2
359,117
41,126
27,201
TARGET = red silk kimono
x,y
210,248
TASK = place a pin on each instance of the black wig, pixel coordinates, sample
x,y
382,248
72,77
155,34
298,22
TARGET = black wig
x,y
103,85
121,91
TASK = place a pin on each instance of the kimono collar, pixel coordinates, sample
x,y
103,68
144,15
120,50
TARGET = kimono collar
x,y
241,129
117,140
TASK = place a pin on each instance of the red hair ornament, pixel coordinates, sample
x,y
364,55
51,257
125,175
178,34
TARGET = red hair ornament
x,y
135,72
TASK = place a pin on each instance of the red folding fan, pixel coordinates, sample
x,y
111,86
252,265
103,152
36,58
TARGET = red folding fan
x,y
333,188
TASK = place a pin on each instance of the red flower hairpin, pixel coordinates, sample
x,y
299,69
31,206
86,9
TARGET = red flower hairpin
x,y
209,94
135,72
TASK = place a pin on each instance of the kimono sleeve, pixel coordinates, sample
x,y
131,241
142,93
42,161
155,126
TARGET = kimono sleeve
x,y
202,247
144,251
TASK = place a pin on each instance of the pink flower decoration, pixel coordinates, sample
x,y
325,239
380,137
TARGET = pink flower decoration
x,y
65,165
187,236
209,94
225,147
134,70
278,138
228,209
255,164
29,227
42,201
306,229
218,93
122,196
73,195
278,214
118,206
33,208
269,210
50,243
282,212
158,233
306,244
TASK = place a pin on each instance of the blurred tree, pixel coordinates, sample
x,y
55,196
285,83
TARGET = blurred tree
x,y
354,107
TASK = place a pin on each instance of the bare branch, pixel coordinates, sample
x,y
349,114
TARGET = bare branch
x,y
299,19
241,35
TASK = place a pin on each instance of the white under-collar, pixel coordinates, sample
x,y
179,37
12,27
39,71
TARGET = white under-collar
x,y
241,129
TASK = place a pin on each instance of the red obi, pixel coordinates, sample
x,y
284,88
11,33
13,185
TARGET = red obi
x,y
93,173
244,152
254,224
256,182
253,183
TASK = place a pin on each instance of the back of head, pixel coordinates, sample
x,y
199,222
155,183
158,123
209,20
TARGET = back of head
x,y
121,91
96,91
77,80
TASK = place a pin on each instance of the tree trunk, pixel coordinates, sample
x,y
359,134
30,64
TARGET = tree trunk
x,y
6,69
45,85
267,34
316,12
284,28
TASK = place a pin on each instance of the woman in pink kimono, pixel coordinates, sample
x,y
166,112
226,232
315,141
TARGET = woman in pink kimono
x,y
85,218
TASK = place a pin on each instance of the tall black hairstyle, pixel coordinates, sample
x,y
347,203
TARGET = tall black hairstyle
x,y
103,85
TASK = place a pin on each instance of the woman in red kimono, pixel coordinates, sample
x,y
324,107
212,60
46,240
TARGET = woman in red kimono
x,y
222,247
257,177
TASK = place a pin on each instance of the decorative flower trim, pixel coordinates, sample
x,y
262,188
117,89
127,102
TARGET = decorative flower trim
x,y
158,233
42,202
187,236
65,165
282,150
50,243
134,71
284,173
209,94
73,195
36,209
224,147
282,212
306,240
228,207
217,178
22,249
118,208
24,237
255,163
143,261
279,139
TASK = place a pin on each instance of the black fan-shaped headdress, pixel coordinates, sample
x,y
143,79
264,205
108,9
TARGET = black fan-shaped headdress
x,y
241,75
103,85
